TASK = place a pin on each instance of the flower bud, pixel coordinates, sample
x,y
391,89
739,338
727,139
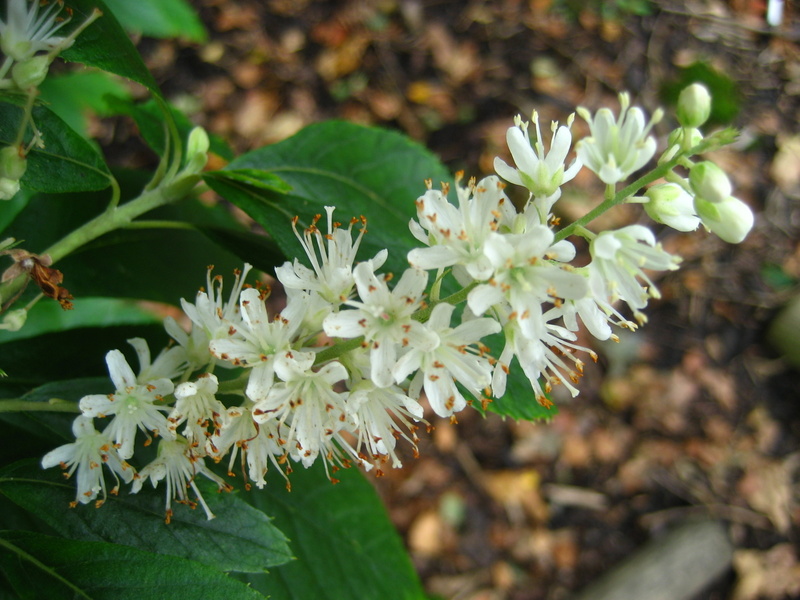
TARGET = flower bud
x,y
694,105
14,319
671,205
31,72
731,219
12,164
198,142
8,188
709,182
196,151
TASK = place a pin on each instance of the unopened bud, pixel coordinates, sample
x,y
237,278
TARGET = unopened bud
x,y
671,205
196,151
31,72
694,105
14,320
731,219
709,182
8,188
12,163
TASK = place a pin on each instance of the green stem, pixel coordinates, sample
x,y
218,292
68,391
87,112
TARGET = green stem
x,y
118,217
153,224
618,198
115,217
52,405
338,349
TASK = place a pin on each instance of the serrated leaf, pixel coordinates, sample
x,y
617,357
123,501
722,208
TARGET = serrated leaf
x,y
105,45
240,538
361,170
255,179
159,18
67,163
345,544
55,568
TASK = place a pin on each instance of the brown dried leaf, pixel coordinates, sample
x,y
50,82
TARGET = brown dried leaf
x,y
770,575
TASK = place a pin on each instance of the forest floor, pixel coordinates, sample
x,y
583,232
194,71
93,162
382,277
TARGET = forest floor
x,y
695,414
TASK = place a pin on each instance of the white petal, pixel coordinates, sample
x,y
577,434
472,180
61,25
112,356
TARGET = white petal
x,y
119,370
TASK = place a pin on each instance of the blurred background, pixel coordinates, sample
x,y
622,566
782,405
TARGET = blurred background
x,y
697,415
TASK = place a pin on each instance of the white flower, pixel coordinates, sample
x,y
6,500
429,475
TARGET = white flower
x,y
169,364
451,360
132,405
545,357
331,256
211,315
615,149
25,31
525,277
619,259
541,172
197,406
306,408
87,454
384,318
259,444
178,467
670,204
376,412
256,342
455,235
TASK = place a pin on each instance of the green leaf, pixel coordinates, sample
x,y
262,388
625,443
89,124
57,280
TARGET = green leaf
x,y
11,208
41,566
361,170
34,433
105,45
67,163
164,263
72,95
159,18
71,354
249,180
240,538
47,317
346,547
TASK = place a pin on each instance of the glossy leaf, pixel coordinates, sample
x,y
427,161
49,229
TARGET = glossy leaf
x,y
159,18
67,163
361,170
49,317
41,566
345,544
240,538
105,45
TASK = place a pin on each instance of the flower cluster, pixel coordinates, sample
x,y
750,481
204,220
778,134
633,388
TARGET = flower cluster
x,y
339,373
